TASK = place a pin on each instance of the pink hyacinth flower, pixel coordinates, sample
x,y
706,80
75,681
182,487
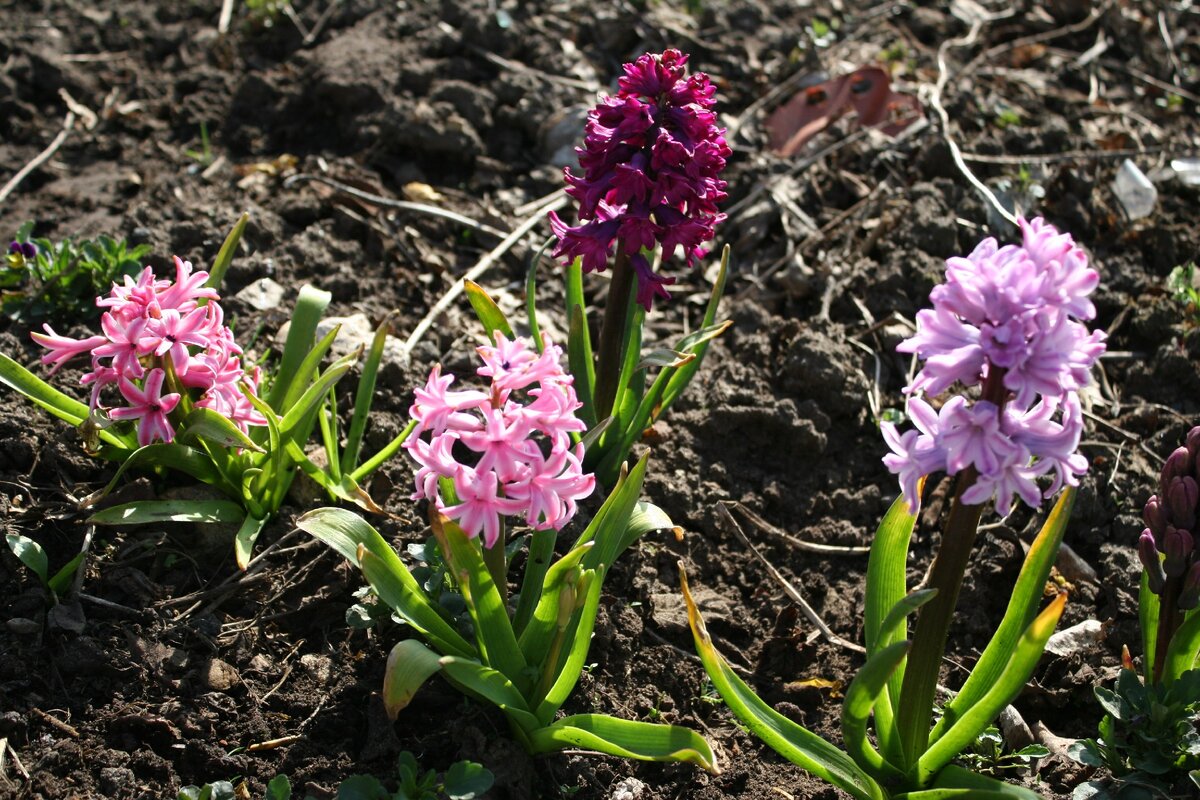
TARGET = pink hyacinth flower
x,y
149,405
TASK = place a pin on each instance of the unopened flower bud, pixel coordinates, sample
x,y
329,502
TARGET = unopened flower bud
x,y
1177,546
1193,442
1178,464
1148,555
1182,495
1155,516
1189,595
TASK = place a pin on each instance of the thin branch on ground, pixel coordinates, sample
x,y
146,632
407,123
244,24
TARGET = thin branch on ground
x,y
799,544
1069,155
40,158
387,202
788,588
476,271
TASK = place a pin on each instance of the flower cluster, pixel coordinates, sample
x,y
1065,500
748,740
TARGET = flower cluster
x,y
1172,518
504,457
152,328
651,159
1008,318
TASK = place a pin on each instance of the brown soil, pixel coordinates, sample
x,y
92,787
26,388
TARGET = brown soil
x,y
157,676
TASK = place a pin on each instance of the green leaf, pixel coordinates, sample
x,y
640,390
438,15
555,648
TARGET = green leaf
x,y
214,427
362,787
535,330
363,396
1022,608
609,528
1183,649
171,455
664,357
793,742
379,459
346,532
581,365
466,780
537,564
30,554
886,587
307,370
864,693
297,423
225,256
145,512
493,629
1148,607
683,376
894,621
310,306
1005,687
61,580
243,543
955,777
536,638
618,737
492,686
489,313
280,788
409,665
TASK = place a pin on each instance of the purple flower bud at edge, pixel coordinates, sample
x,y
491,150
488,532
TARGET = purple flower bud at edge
x,y
1148,555
1189,595
1177,546
1182,495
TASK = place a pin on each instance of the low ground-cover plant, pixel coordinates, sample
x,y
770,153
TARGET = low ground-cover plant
x,y
484,456
185,401
1149,738
464,780
1007,319
650,185
41,279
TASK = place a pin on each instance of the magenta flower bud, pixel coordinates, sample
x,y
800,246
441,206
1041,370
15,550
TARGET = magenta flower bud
x,y
1155,516
1177,546
1182,495
1178,464
1189,595
1193,442
1148,555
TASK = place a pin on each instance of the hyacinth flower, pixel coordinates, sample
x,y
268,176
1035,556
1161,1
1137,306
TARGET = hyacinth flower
x,y
1006,337
1171,567
648,189
169,389
484,456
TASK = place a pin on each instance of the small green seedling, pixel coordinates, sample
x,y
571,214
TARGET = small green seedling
x,y
32,555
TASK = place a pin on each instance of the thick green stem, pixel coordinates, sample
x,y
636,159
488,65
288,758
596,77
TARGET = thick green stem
x,y
497,564
1169,620
612,335
914,716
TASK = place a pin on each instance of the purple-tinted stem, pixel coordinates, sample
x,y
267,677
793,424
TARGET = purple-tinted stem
x,y
612,334
915,714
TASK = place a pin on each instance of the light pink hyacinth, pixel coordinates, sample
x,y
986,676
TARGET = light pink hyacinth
x,y
148,325
507,451
1012,314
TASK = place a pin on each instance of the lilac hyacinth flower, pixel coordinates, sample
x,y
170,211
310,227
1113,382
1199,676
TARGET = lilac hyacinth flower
x,y
651,161
1011,320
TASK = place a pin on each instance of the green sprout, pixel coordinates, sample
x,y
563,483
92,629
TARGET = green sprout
x,y
1181,283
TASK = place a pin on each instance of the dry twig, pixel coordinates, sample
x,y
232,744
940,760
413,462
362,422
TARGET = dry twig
x,y
788,588
40,158
799,544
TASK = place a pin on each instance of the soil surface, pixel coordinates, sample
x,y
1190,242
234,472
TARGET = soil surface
x,y
165,664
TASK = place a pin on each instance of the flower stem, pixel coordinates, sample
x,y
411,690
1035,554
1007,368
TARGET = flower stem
x,y
915,714
1169,620
497,564
612,335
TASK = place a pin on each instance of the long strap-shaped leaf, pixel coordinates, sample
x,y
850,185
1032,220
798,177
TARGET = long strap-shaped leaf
x,y
1022,608
865,691
1148,608
60,405
173,456
492,686
345,532
683,376
1006,686
954,782
578,635
409,665
306,315
537,564
1184,648
886,587
493,629
579,344
607,528
539,633
793,742
643,741
143,512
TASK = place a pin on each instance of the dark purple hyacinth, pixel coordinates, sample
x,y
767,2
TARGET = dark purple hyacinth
x,y
651,158
1171,518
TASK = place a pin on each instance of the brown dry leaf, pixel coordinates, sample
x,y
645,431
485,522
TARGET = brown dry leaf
x,y
279,165
834,687
1021,57
866,90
